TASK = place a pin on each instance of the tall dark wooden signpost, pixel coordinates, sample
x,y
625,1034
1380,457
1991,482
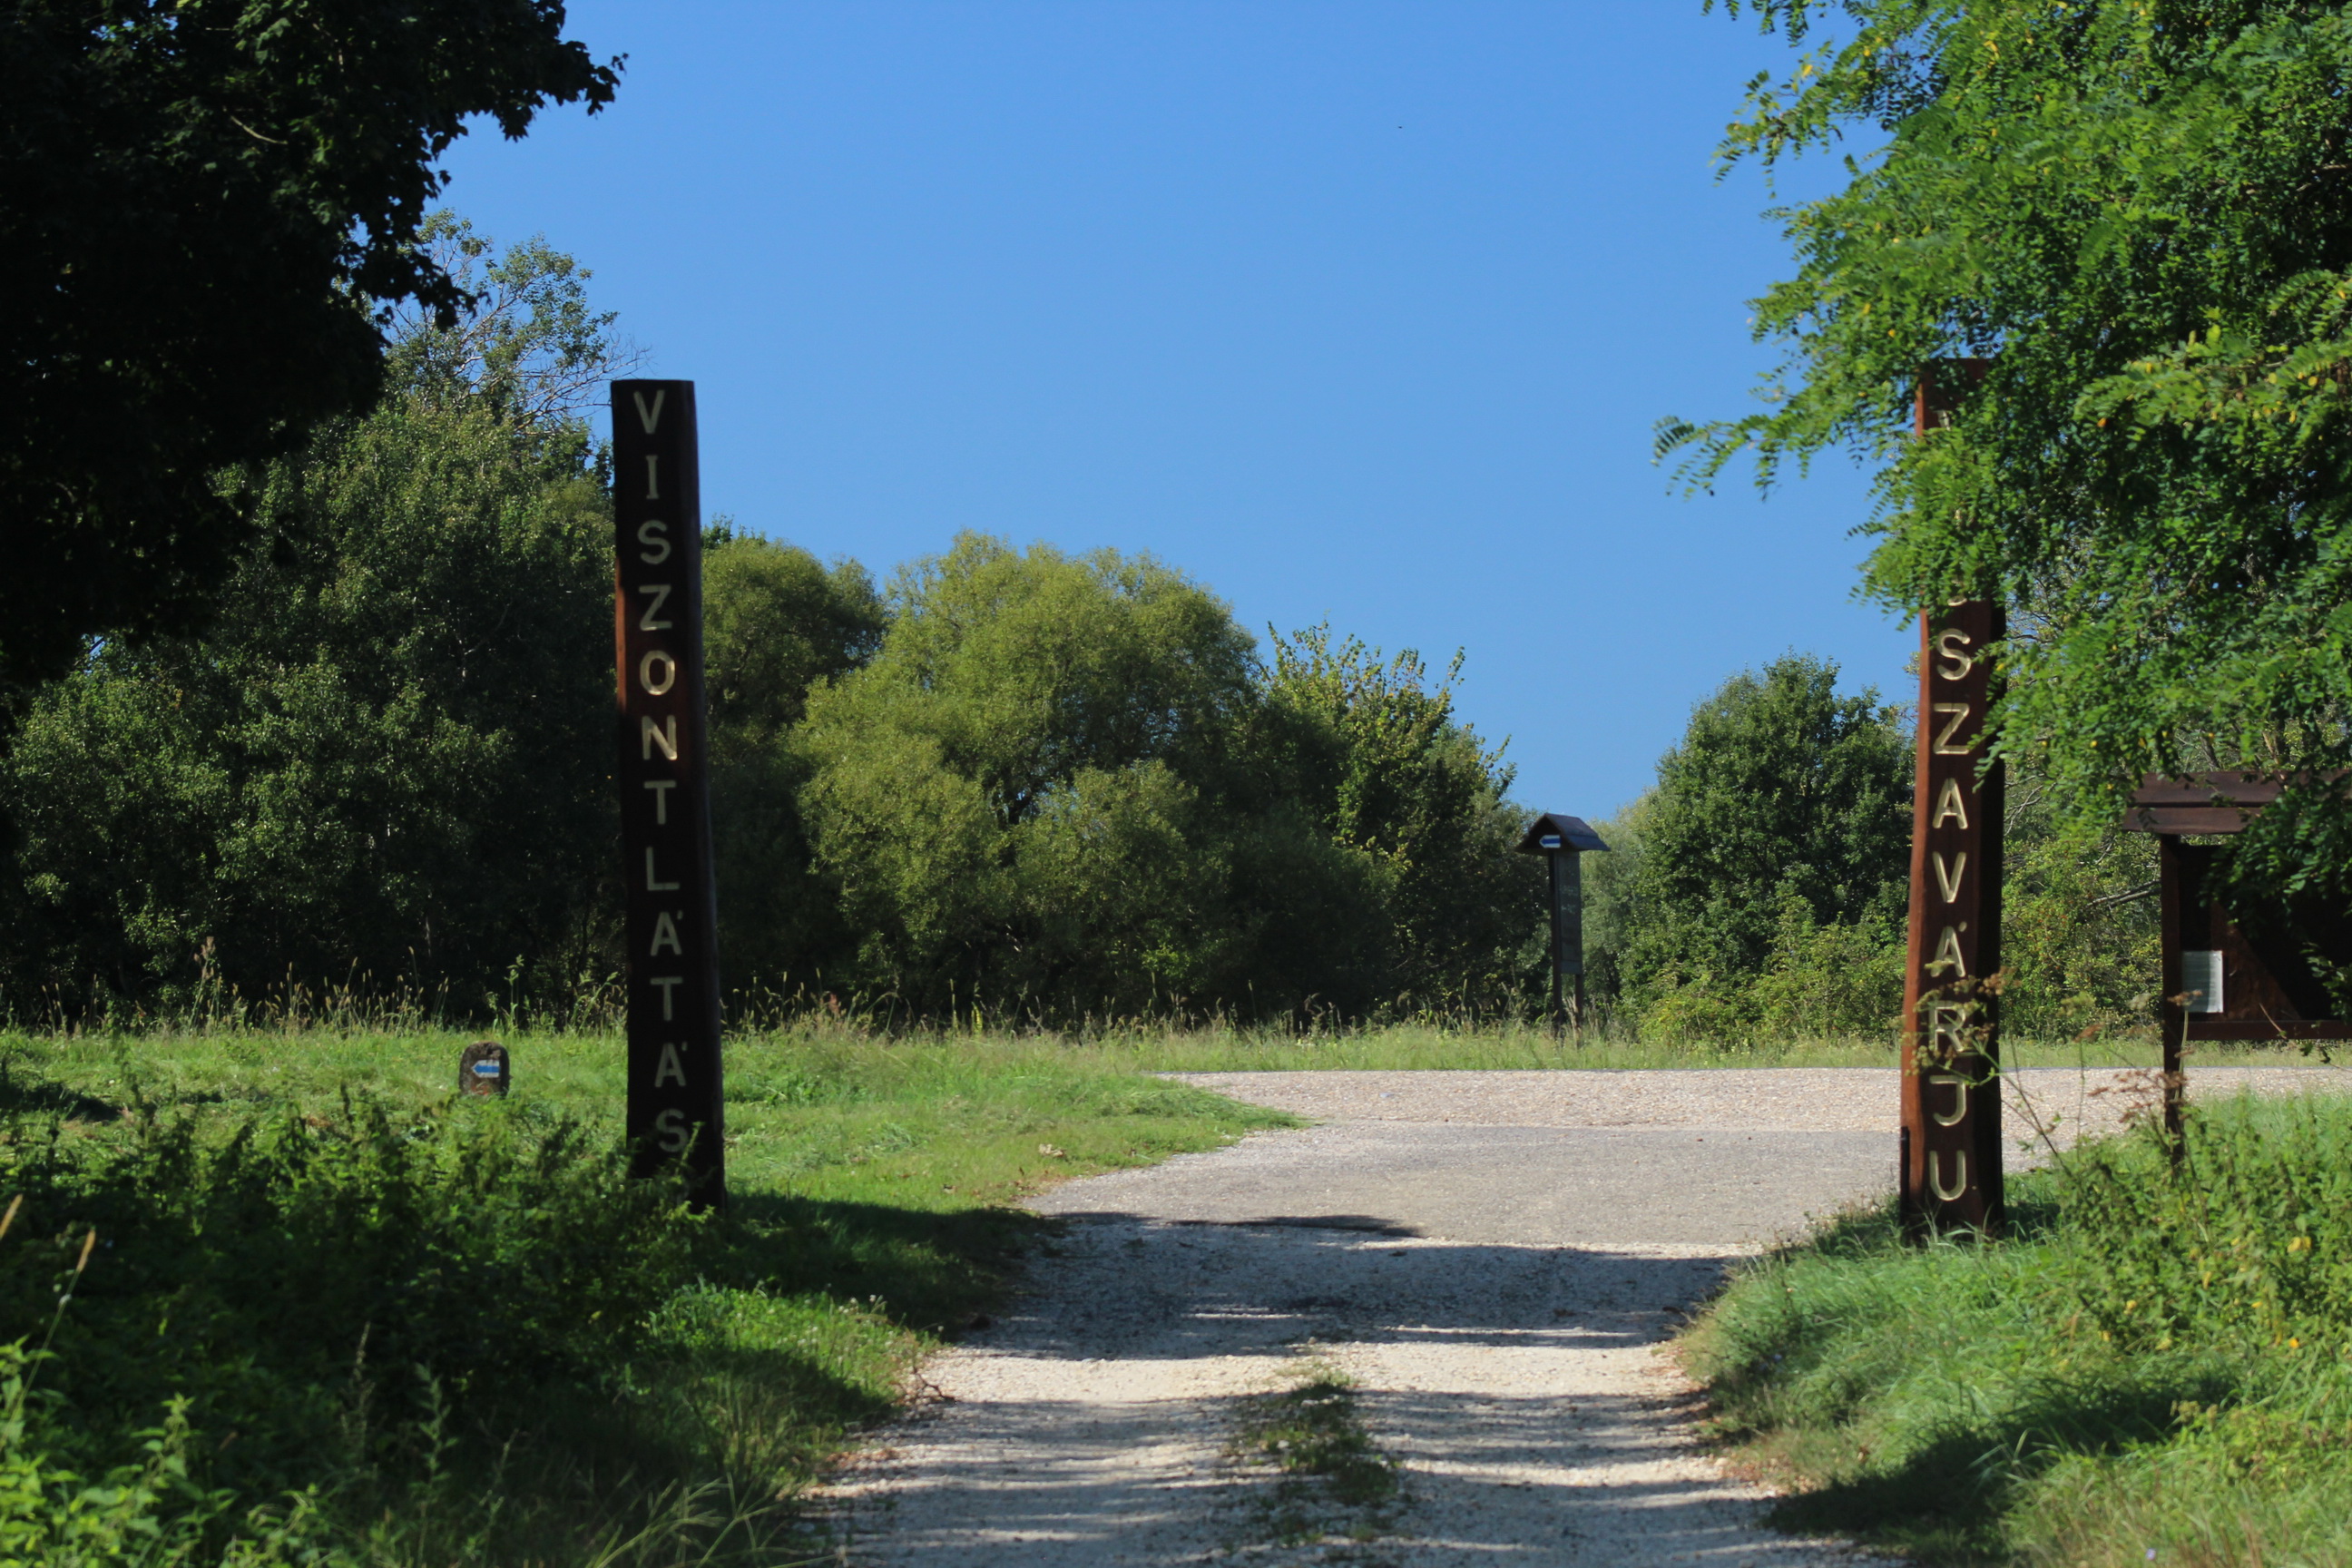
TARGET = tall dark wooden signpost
x,y
1950,1172
673,1114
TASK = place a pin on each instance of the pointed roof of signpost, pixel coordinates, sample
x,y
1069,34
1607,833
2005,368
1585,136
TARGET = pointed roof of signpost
x,y
1555,831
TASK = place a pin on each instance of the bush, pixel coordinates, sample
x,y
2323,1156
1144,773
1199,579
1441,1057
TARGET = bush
x,y
1837,980
322,1297
147,1512
2248,1241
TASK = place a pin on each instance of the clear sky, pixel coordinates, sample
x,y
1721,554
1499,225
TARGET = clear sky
x,y
1353,311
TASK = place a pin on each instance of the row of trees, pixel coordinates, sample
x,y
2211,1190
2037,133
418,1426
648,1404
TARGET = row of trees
x,y
1012,779
1018,780
1758,889
1015,779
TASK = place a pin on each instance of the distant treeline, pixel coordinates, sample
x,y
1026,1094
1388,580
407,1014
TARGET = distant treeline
x,y
1759,891
1044,786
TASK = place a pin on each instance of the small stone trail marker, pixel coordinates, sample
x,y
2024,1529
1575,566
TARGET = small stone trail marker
x,y
483,1070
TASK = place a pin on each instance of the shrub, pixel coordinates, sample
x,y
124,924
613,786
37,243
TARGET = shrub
x,y
320,1294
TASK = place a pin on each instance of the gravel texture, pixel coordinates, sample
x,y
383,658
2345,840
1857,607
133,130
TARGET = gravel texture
x,y
1495,1258
1777,1100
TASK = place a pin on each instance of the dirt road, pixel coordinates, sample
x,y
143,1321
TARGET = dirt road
x,y
1493,1258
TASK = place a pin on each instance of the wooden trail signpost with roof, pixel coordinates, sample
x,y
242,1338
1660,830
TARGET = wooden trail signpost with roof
x,y
669,893
1948,1174
2231,973
1561,840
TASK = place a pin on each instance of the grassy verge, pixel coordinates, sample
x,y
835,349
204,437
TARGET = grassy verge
x,y
2156,1367
283,1298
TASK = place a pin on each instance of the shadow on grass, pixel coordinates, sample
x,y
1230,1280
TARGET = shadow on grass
x,y
1947,1499
20,1096
923,1270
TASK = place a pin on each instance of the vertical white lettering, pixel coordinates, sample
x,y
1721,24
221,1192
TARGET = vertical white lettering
x,y
660,591
661,788
671,1125
649,417
1948,882
666,737
655,686
1959,1179
1947,961
657,548
1948,803
653,886
669,984
1946,745
653,477
664,932
670,1068
1958,1087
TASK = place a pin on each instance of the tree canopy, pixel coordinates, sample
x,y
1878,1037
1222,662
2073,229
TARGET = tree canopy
x,y
1782,795
206,207
1067,785
2141,214
382,765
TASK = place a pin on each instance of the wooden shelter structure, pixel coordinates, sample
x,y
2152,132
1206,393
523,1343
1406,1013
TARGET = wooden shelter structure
x,y
2232,971
1562,840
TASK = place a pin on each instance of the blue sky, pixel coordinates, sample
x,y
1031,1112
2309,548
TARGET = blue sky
x,y
1355,312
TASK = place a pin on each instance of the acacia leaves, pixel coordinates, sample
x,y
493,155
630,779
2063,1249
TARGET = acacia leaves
x,y
2142,215
203,201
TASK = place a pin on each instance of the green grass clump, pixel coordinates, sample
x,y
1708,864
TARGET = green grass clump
x,y
323,1309
2155,1366
1332,1481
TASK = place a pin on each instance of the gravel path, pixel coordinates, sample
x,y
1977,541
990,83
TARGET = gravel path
x,y
1495,1258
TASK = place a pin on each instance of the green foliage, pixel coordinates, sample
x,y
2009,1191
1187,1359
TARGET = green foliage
x,y
274,1276
2155,1361
1819,982
200,200
322,1313
2079,957
1785,809
325,1289
2137,211
1011,792
145,1511
2079,923
2249,1241
1331,1483
1392,777
775,624
386,757
1064,786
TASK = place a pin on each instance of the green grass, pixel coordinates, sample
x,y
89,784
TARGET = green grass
x,y
2155,1367
1330,1482
411,1329
1407,1047
415,1329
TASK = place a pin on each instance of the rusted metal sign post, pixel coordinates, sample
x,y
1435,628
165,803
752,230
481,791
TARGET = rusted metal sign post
x,y
673,1112
1561,840
1950,1172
